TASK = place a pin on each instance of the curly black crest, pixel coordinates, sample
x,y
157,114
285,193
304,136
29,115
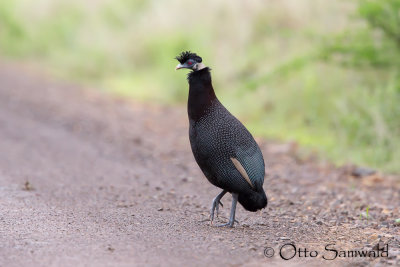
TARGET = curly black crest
x,y
184,56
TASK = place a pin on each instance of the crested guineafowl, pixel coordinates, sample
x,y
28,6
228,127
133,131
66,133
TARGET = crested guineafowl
x,y
224,149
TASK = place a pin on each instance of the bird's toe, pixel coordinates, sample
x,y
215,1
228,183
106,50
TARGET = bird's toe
x,y
228,224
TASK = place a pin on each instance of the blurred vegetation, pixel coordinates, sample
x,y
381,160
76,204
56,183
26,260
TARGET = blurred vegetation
x,y
323,73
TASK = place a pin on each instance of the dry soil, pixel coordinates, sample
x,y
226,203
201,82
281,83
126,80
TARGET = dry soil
x,y
87,179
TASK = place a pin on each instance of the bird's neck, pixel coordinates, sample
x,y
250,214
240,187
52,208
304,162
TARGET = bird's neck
x,y
201,93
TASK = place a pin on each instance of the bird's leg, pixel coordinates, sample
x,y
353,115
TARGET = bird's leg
x,y
215,204
233,210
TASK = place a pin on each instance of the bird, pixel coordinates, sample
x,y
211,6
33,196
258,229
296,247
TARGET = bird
x,y
224,149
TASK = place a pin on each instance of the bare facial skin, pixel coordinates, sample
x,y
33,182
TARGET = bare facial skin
x,y
199,66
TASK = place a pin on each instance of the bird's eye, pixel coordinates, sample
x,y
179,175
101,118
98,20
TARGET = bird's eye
x,y
190,62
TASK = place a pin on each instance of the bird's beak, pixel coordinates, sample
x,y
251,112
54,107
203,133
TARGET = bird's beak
x,y
179,66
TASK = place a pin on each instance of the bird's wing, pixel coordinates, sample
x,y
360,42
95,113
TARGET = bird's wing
x,y
242,171
250,163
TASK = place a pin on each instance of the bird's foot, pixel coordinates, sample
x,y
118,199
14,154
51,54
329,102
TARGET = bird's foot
x,y
228,224
215,207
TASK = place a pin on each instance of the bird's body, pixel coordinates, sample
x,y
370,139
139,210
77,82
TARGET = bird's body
x,y
224,149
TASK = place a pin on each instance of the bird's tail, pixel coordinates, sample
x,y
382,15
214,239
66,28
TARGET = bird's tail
x,y
253,201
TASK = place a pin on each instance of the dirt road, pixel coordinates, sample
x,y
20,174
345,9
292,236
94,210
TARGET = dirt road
x,y
90,180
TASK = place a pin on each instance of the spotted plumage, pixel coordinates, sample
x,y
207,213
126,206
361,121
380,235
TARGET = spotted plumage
x,y
223,148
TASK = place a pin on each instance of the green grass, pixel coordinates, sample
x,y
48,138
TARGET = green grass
x,y
291,70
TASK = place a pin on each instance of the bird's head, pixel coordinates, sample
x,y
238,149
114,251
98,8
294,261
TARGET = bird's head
x,y
189,60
